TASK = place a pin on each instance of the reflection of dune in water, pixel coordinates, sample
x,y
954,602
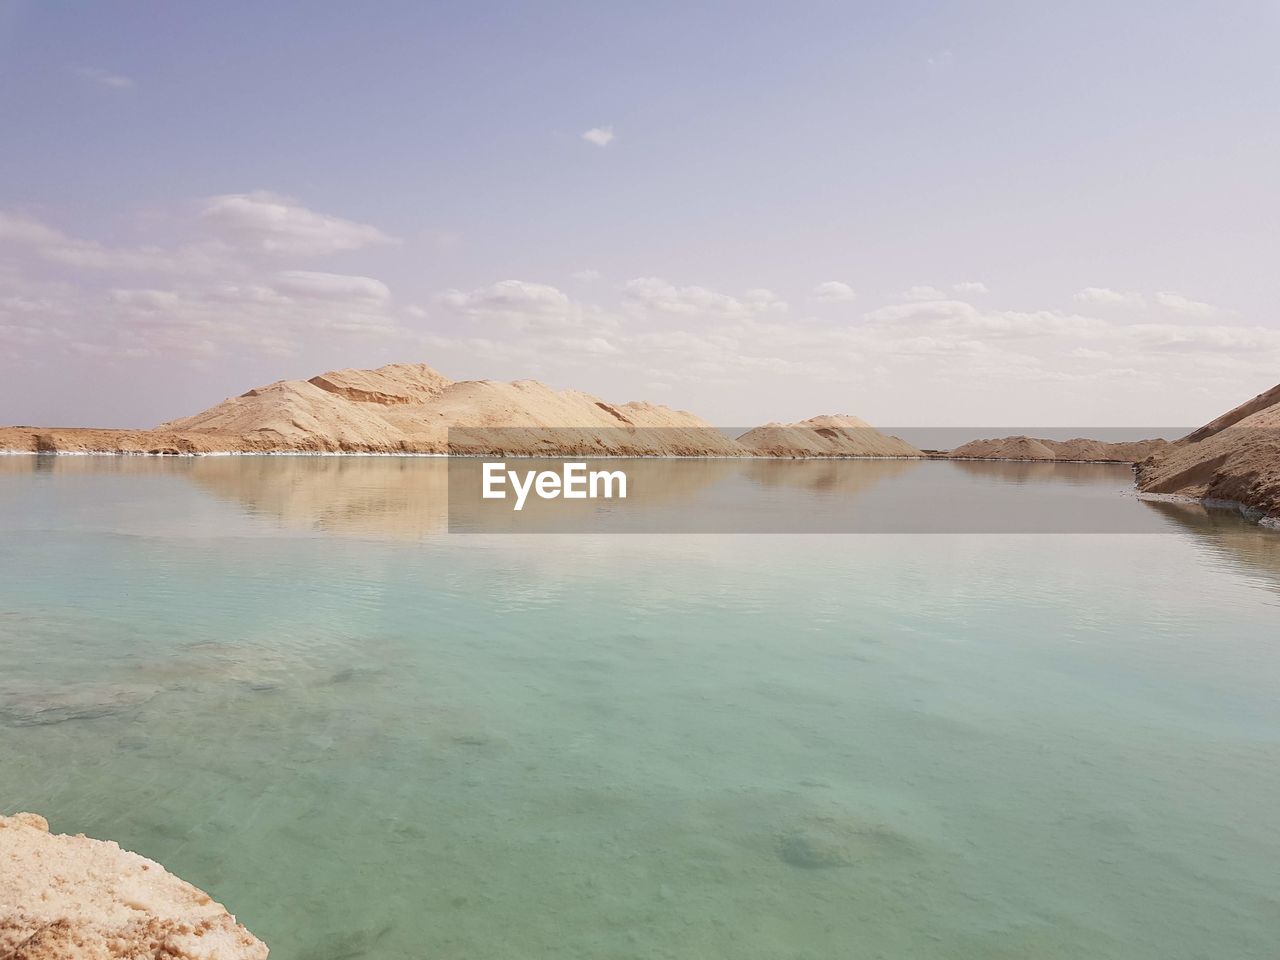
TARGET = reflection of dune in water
x,y
403,497
658,482
827,476
1228,535
1036,471
72,465
409,497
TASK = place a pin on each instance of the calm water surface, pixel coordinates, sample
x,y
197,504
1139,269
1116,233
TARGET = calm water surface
x,y
370,738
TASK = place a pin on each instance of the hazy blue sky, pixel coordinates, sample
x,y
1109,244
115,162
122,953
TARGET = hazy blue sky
x,y
966,213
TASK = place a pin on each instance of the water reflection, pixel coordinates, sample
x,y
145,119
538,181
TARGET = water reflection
x,y
1227,535
416,497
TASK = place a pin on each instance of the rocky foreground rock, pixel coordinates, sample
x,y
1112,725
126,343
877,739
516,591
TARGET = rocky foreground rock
x,y
72,898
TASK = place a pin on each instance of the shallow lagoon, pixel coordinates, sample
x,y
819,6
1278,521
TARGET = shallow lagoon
x,y
285,680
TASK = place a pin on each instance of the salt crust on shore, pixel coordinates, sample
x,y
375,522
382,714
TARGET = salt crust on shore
x,y
72,898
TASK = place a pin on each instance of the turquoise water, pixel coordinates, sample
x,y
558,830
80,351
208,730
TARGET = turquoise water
x,y
281,678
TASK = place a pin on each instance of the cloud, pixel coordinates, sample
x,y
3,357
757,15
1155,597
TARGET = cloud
x,y
922,310
941,61
105,78
195,301
53,245
1107,295
508,295
923,293
600,136
586,276
969,287
278,225
522,306
833,291
331,286
1184,305
595,346
655,294
1244,341
211,319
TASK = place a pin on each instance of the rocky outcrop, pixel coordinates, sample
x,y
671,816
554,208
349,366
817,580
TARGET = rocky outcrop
x,y
72,898
1234,458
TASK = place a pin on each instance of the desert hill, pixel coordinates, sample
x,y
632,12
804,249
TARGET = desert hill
x,y
825,436
411,408
1033,448
1235,457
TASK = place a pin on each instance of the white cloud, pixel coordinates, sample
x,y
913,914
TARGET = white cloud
x,y
1184,305
922,310
331,286
522,306
1107,295
106,78
970,287
1088,353
941,61
508,295
923,293
53,245
1254,342
600,136
278,225
833,291
656,294
595,346
586,276
205,320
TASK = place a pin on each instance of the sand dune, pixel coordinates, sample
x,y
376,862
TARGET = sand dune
x,y
411,408
72,898
824,436
1234,458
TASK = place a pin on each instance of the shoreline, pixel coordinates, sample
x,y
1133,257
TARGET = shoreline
x,y
528,456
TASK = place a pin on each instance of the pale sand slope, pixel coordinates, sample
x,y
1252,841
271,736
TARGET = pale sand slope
x,y
1033,448
410,408
1235,457
825,436
72,898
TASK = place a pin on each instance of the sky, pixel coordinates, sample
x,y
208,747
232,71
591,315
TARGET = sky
x,y
959,214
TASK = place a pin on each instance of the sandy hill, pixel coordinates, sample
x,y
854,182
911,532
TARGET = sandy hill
x,y
1034,448
411,408
1235,457
72,898
824,436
